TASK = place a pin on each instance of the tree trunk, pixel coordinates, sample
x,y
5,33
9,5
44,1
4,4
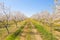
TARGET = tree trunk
x,y
7,29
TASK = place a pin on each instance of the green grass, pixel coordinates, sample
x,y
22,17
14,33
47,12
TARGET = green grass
x,y
17,38
2,31
15,34
45,34
28,36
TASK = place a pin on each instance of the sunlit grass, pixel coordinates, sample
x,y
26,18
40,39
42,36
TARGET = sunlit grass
x,y
15,34
45,34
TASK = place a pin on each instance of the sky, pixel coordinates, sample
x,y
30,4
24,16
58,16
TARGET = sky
x,y
29,7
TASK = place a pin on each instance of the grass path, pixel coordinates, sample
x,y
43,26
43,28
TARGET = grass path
x,y
36,34
31,30
45,34
25,34
57,34
30,33
15,34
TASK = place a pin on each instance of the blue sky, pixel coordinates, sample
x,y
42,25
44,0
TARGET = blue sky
x,y
29,7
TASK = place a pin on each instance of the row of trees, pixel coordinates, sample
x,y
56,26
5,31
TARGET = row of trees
x,y
48,17
6,15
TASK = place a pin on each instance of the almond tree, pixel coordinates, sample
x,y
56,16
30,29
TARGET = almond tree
x,y
5,16
17,17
